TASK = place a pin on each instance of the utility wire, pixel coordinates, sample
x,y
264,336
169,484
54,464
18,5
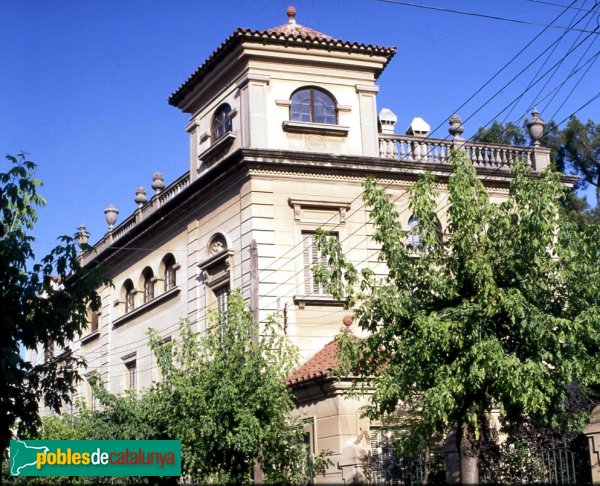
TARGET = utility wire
x,y
475,14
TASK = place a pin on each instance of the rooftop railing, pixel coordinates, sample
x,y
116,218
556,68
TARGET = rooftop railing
x,y
437,151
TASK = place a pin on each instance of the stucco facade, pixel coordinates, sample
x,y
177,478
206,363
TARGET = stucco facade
x,y
241,214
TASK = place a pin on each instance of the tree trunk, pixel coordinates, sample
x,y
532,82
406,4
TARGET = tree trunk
x,y
469,457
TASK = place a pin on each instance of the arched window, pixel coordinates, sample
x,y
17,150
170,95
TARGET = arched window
x,y
148,282
129,296
170,269
221,123
313,105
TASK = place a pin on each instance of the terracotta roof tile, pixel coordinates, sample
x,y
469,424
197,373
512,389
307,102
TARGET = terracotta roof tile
x,y
286,34
316,367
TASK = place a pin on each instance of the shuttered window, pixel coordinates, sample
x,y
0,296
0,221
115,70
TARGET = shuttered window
x,y
312,257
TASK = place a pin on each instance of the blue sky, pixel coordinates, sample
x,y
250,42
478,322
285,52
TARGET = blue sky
x,y
83,84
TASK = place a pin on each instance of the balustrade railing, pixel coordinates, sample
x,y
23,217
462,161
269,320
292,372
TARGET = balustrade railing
x,y
437,151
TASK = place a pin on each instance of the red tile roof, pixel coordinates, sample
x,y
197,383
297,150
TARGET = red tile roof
x,y
318,366
286,34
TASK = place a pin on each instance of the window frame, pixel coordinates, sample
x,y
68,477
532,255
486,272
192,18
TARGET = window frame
x,y
312,105
221,120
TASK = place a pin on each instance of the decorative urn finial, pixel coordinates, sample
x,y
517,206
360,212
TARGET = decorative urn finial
x,y
140,196
456,128
291,13
536,126
347,321
158,182
111,213
83,236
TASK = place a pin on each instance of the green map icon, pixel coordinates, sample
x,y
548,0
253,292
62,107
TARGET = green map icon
x,y
23,456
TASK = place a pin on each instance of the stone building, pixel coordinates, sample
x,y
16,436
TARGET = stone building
x,y
283,130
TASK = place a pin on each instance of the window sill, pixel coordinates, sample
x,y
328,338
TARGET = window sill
x,y
90,337
169,294
320,300
317,128
218,148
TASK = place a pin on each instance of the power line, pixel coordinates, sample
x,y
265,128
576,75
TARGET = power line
x,y
560,5
476,14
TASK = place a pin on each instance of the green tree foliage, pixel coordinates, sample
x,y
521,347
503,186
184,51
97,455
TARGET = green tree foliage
x,y
581,148
43,305
223,395
576,149
504,315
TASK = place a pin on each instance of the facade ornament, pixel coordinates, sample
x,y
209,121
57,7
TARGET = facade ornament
x,y
111,213
83,235
158,182
217,245
140,196
456,128
291,13
536,127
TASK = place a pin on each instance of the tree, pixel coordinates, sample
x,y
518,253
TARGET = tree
x,y
576,148
223,395
582,150
503,316
43,306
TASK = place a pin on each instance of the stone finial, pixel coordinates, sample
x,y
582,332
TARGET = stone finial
x,y
83,236
111,213
158,182
387,120
291,13
347,321
140,196
536,127
456,128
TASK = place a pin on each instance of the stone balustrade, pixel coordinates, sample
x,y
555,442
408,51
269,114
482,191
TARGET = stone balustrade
x,y
142,213
437,151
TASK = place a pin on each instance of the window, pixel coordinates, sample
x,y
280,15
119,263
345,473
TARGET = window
x,y
129,296
222,299
148,278
131,375
170,270
221,123
312,257
415,240
414,234
313,105
93,318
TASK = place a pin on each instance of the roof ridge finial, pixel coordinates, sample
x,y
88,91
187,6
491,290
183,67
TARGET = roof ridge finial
x,y
291,13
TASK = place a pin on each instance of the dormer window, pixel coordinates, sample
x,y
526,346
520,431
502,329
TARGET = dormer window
x,y
314,106
221,122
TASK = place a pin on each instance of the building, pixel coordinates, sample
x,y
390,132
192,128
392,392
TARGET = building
x,y
284,128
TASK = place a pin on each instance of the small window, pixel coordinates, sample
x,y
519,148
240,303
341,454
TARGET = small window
x,y
312,257
313,105
170,272
221,122
148,276
129,291
131,375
